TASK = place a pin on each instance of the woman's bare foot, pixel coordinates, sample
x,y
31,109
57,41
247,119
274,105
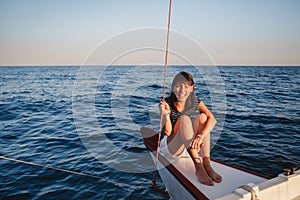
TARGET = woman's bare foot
x,y
210,171
202,175
201,172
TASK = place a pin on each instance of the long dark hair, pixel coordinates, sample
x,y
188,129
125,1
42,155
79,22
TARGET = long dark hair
x,y
182,77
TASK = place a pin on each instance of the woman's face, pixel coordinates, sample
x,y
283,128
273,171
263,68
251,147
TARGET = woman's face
x,y
182,91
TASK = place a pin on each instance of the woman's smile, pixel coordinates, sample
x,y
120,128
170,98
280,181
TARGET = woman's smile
x,y
182,91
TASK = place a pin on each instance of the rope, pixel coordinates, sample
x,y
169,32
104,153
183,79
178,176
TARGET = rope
x,y
167,50
48,167
68,171
251,190
163,94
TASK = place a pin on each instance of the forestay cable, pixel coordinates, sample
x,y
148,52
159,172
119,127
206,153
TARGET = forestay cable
x,y
163,92
67,171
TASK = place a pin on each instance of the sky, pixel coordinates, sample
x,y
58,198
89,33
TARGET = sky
x,y
232,32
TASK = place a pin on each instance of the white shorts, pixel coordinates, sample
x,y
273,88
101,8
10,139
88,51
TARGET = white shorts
x,y
164,150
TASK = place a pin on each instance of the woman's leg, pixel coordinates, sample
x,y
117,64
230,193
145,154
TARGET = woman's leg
x,y
199,123
181,138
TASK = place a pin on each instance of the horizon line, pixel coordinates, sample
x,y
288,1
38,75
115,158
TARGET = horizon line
x,y
175,65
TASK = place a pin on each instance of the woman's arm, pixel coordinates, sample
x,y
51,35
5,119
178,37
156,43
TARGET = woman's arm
x,y
167,125
210,122
166,120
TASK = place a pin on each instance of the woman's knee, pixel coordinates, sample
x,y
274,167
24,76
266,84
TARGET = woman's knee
x,y
182,123
186,127
201,118
185,120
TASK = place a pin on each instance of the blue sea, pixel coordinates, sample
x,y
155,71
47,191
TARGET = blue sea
x,y
70,132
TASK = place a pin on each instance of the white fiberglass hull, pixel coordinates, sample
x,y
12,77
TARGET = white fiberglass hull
x,y
237,184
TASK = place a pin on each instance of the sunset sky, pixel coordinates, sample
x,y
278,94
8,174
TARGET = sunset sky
x,y
233,32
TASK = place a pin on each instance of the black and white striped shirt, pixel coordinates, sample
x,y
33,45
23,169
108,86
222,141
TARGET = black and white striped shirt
x,y
190,111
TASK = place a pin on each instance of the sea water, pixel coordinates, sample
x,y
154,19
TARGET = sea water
x,y
87,120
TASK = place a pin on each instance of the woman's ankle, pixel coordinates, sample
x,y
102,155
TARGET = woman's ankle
x,y
206,159
194,155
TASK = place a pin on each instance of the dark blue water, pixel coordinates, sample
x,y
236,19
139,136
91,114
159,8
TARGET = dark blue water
x,y
87,120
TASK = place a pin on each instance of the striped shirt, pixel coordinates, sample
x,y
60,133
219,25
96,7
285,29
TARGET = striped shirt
x,y
175,114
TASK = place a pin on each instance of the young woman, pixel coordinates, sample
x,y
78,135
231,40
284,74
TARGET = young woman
x,y
186,132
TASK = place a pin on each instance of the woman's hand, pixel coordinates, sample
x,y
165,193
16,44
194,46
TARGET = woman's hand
x,y
164,108
197,143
